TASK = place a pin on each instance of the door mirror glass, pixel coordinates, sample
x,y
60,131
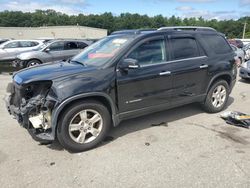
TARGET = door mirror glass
x,y
130,63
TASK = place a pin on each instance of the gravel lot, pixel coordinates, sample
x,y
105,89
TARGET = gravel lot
x,y
189,148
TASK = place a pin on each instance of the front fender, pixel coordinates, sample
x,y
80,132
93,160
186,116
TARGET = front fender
x,y
63,104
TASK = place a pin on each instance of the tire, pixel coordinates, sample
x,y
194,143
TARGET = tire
x,y
210,105
83,126
33,62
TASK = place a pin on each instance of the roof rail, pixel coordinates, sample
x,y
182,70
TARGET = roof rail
x,y
132,31
194,28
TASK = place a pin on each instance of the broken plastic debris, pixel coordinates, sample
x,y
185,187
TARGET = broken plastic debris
x,y
236,118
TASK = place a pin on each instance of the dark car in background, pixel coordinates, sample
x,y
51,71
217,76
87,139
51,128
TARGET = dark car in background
x,y
236,42
122,76
54,50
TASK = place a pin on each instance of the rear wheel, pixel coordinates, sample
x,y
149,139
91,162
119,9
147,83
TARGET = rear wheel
x,y
83,126
33,62
217,97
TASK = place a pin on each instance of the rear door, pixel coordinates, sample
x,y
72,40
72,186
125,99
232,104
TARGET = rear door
x,y
189,70
150,84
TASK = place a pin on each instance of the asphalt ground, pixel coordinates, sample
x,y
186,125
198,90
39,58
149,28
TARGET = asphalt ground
x,y
181,147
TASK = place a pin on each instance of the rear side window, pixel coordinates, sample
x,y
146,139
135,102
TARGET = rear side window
x,y
25,44
70,46
12,45
184,48
217,44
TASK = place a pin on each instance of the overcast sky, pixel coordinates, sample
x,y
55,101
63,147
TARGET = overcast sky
x,y
208,9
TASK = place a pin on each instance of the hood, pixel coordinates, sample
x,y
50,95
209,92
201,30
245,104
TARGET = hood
x,y
49,71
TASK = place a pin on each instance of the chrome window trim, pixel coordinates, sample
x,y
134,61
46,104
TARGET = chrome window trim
x,y
174,61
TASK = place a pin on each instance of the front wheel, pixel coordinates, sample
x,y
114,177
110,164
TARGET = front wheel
x,y
217,97
33,62
83,126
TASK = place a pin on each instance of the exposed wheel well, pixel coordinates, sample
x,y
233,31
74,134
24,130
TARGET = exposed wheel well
x,y
100,99
225,77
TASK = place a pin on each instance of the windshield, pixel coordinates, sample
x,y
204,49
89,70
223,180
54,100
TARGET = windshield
x,y
102,51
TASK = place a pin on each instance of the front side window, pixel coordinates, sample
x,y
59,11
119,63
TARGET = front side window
x,y
150,52
57,46
184,48
12,45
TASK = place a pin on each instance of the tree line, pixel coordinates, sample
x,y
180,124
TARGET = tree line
x,y
232,28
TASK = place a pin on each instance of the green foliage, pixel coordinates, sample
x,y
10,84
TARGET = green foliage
x,y
232,28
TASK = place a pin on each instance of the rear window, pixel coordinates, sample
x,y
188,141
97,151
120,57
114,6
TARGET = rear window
x,y
184,48
217,44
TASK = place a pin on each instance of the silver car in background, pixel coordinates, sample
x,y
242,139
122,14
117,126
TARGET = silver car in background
x,y
239,52
55,50
10,49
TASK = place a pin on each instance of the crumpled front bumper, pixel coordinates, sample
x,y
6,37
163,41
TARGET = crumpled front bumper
x,y
14,111
22,113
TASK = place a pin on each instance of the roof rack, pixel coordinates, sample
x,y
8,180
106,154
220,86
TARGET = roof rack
x,y
132,31
194,28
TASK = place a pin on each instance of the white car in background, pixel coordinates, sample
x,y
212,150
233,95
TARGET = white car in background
x,y
239,52
10,49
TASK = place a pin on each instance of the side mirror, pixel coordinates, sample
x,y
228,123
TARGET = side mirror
x,y
129,63
47,50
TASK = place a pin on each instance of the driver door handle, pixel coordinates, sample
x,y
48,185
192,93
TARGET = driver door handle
x,y
165,73
203,66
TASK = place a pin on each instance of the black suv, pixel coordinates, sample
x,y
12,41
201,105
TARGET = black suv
x,y
127,74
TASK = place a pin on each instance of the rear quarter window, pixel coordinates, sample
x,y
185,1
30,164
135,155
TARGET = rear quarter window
x,y
217,44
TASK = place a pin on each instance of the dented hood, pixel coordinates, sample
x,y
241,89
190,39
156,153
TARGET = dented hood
x,y
49,72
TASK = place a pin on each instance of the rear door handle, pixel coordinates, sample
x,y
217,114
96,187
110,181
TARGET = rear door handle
x,y
165,73
203,66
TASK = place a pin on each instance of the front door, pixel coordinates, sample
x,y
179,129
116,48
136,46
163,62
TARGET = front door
x,y
151,83
56,52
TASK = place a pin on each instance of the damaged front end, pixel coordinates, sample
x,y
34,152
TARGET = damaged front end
x,y
32,106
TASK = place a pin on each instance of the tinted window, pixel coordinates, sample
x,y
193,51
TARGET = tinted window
x,y
184,48
28,44
12,45
150,52
57,46
217,44
82,45
70,46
